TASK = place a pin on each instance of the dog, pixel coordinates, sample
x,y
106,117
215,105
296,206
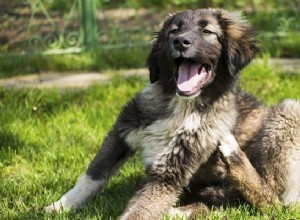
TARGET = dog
x,y
204,142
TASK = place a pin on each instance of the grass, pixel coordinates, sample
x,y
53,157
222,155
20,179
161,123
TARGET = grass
x,y
93,60
48,137
287,44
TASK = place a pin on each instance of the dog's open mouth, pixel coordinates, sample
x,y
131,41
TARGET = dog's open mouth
x,y
191,76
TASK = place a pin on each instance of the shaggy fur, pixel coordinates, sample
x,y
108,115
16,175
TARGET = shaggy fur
x,y
203,141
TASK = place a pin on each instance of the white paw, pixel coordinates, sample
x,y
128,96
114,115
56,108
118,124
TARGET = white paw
x,y
58,207
82,191
228,145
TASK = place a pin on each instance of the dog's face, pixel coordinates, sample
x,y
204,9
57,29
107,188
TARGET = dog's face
x,y
192,47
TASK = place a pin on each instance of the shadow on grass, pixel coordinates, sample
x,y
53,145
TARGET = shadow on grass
x,y
108,204
113,200
11,144
10,140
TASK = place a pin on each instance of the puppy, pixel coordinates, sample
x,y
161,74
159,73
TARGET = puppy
x,y
191,111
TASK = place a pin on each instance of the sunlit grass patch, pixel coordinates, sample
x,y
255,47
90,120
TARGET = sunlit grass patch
x,y
48,137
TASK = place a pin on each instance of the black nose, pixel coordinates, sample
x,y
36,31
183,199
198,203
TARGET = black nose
x,y
181,43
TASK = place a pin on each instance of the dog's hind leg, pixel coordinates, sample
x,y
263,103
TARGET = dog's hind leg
x,y
281,139
276,155
245,177
110,157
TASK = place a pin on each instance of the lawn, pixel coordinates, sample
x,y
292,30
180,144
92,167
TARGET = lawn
x,y
48,137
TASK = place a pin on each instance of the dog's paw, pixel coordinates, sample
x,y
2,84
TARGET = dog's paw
x,y
85,188
58,207
228,146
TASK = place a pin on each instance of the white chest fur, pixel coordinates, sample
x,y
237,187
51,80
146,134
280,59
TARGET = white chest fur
x,y
202,130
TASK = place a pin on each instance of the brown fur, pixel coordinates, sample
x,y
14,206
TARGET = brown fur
x,y
269,168
184,122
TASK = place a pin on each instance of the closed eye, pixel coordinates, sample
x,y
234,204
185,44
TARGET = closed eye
x,y
174,31
174,28
206,31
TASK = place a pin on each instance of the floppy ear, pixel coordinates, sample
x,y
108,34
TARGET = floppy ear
x,y
239,44
152,62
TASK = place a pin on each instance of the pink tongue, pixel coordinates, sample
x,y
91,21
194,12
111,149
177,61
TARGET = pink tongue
x,y
188,77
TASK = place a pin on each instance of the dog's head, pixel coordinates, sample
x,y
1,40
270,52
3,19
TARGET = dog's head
x,y
193,45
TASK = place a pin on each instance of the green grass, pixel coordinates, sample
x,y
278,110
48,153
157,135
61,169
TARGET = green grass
x,y
282,44
270,85
94,60
48,137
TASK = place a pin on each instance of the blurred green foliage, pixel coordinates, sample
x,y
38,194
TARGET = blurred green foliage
x,y
278,5
277,23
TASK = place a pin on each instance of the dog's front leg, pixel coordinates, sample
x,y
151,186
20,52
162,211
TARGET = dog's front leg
x,y
167,175
244,176
151,202
112,154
